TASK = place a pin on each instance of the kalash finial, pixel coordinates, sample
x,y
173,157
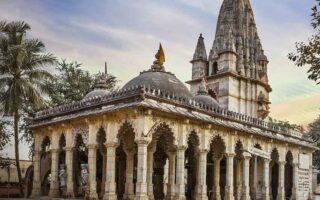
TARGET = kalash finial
x,y
158,64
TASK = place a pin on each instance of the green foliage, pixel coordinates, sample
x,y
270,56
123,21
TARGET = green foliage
x,y
309,53
314,134
285,124
4,135
71,83
22,76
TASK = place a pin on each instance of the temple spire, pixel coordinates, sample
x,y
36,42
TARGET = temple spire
x,y
200,52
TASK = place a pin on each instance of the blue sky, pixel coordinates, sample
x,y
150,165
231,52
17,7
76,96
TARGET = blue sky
x,y
127,33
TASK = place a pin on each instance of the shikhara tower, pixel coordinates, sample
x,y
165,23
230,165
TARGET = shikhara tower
x,y
236,68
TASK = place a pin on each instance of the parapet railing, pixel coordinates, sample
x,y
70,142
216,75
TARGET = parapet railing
x,y
180,100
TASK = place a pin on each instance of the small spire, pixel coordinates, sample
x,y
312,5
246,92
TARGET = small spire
x,y
101,82
160,59
200,52
106,69
203,87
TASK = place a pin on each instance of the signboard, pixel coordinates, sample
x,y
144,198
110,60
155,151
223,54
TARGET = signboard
x,y
259,152
303,184
304,161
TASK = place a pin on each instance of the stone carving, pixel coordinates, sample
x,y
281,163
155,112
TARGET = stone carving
x,y
84,175
82,130
62,175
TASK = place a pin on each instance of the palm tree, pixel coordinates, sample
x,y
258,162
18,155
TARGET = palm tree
x,y
22,76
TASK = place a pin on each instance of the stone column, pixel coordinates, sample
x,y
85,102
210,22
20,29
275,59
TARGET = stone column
x,y
180,179
129,190
266,180
54,185
141,185
92,159
202,176
254,178
295,168
171,176
281,193
36,190
229,177
150,173
104,167
216,182
110,185
69,164
246,175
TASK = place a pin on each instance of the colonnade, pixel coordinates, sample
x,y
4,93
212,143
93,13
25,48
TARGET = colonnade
x,y
233,171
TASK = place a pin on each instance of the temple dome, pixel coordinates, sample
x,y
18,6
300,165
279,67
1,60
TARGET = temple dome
x,y
100,88
157,78
202,96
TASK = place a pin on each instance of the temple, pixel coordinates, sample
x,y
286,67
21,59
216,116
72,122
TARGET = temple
x,y
156,139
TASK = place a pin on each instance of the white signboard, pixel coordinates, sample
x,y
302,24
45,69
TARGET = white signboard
x,y
259,152
304,161
303,184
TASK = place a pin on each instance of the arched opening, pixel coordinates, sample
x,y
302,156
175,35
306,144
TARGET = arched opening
x,y
191,165
126,162
162,145
256,174
81,172
29,181
101,162
212,93
274,166
288,181
216,170
45,166
214,68
62,174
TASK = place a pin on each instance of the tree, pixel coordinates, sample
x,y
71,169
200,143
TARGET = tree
x,y
309,53
71,83
22,75
4,137
314,134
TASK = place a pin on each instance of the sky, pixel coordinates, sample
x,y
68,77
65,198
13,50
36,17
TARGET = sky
x,y
127,33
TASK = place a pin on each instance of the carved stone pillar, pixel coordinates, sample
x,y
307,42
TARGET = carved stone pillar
x,y
70,180
266,180
110,185
141,185
104,167
229,177
202,176
245,180
36,190
92,161
129,190
54,185
180,179
295,168
239,179
150,172
171,175
216,182
281,191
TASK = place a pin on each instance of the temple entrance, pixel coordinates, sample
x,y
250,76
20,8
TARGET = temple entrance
x,y
101,162
45,166
81,172
216,170
191,165
126,163
274,166
162,145
288,174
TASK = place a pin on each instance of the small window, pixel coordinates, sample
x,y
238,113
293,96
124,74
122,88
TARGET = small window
x,y
214,68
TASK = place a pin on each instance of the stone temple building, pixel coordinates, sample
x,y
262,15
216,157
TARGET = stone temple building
x,y
156,139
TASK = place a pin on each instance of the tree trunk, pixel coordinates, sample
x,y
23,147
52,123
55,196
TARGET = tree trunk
x,y
16,148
